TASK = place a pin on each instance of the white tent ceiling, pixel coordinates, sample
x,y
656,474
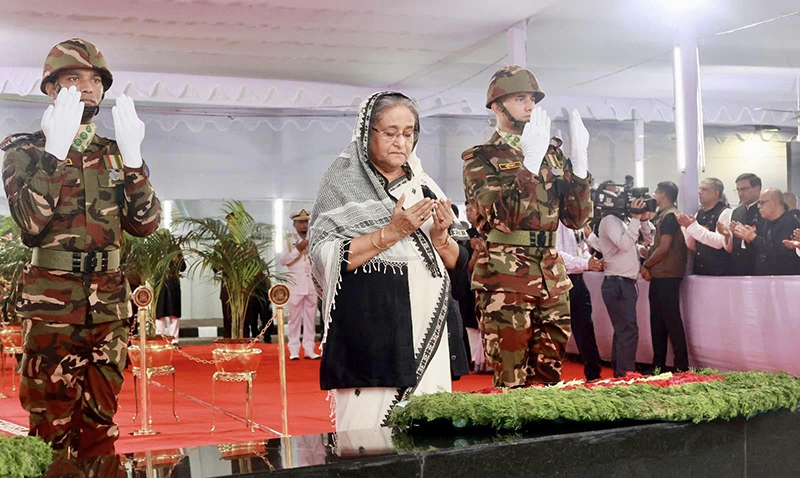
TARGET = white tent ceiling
x,y
329,54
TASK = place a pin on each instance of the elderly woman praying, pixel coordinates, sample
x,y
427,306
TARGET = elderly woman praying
x,y
381,246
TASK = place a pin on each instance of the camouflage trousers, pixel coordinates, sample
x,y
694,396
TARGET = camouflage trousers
x,y
524,337
71,376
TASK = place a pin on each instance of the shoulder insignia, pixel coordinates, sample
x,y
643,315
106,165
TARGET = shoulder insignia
x,y
14,139
470,153
511,165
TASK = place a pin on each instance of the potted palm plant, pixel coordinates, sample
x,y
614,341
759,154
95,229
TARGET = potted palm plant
x,y
232,250
14,255
149,259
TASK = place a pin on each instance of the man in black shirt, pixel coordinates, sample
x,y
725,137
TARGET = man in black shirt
x,y
743,258
772,257
665,267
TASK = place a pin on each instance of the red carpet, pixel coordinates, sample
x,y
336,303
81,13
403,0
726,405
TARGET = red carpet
x,y
309,412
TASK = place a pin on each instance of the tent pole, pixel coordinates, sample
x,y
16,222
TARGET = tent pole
x,y
518,44
688,127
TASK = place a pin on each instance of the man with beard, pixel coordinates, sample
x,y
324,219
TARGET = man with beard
x,y
522,186
72,193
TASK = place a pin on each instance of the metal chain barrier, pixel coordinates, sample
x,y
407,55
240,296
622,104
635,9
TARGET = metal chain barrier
x,y
152,322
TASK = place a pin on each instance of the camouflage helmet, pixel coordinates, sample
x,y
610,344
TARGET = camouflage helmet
x,y
513,79
75,53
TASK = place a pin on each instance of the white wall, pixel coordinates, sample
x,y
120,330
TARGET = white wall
x,y
729,159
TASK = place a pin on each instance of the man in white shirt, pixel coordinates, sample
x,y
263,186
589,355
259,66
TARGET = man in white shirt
x,y
303,299
571,245
706,234
617,242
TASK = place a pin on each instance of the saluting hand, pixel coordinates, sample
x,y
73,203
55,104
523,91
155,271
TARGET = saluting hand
x,y
579,140
61,121
535,138
129,131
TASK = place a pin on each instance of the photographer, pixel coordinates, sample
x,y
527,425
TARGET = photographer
x,y
706,232
617,242
664,268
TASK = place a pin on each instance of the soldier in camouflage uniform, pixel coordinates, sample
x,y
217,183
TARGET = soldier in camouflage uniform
x,y
73,193
522,185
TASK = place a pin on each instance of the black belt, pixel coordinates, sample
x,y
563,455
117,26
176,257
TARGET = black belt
x,y
626,279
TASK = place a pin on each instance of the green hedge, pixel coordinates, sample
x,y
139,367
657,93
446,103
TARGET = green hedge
x,y
24,457
740,394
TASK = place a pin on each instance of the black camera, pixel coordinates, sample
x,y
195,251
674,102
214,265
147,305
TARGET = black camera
x,y
616,199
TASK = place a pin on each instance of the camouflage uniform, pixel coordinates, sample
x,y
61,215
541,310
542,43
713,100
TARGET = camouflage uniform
x,y
522,291
76,329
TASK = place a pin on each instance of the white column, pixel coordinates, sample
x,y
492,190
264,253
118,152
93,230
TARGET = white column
x,y
638,149
277,221
688,127
518,44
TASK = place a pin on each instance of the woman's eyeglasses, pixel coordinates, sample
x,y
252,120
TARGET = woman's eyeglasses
x,y
392,136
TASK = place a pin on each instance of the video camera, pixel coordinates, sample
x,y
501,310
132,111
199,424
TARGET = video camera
x,y
616,199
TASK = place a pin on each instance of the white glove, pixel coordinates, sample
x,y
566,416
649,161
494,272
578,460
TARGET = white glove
x,y
579,140
61,121
535,139
129,131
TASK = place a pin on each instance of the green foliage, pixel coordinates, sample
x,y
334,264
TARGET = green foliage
x,y
13,257
151,258
232,250
740,394
23,457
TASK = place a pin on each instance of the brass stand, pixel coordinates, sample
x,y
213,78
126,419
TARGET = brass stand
x,y
279,295
143,297
3,358
11,351
154,372
246,377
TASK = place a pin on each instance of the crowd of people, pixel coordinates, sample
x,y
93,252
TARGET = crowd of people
x,y
760,237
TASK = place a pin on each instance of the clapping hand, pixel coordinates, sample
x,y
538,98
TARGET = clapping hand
x,y
595,264
684,220
794,242
723,229
743,232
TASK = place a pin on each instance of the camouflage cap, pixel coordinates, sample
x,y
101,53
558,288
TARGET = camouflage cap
x,y
75,53
512,79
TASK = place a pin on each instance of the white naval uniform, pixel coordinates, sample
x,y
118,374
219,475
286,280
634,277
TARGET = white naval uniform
x,y
303,299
